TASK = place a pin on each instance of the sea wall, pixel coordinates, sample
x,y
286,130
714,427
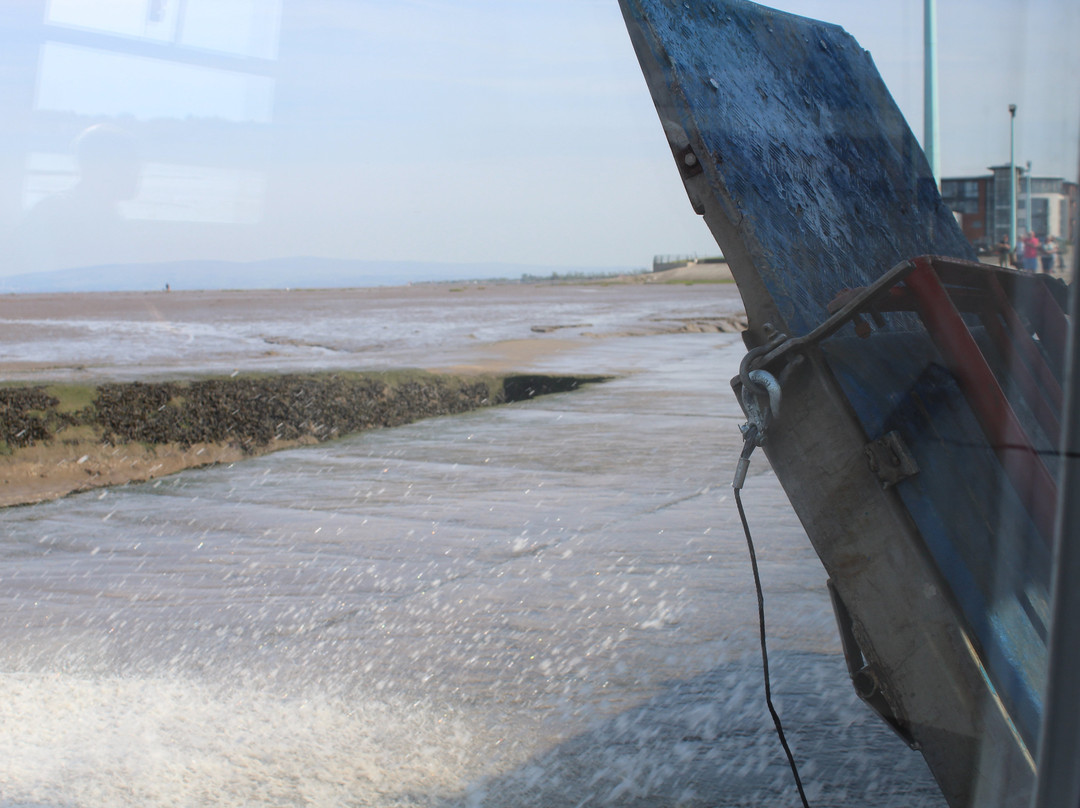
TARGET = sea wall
x,y
57,439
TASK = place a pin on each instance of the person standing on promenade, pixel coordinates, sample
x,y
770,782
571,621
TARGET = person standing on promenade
x,y
1030,252
1003,250
1046,255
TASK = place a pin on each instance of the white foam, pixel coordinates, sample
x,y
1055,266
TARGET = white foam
x,y
170,742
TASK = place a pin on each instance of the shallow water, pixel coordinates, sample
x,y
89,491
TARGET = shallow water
x,y
135,335
544,604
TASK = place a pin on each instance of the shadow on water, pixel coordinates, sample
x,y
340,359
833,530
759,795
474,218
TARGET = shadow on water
x,y
709,741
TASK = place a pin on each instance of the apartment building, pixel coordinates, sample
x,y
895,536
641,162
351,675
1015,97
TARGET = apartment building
x,y
981,205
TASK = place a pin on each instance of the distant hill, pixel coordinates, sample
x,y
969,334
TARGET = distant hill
x,y
276,273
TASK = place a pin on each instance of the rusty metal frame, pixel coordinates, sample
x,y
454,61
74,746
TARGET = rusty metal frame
x,y
988,401
939,290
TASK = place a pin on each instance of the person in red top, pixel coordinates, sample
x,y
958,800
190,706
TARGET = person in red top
x,y
1030,252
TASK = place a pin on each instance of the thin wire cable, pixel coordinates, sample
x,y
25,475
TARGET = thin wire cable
x,y
765,653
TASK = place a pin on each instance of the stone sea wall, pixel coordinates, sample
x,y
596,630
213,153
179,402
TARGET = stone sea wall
x,y
61,438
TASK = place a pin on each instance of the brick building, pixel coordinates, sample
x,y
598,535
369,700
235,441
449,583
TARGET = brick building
x,y
981,205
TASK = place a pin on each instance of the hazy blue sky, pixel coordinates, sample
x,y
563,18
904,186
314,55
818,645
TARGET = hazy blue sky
x,y
503,130
531,127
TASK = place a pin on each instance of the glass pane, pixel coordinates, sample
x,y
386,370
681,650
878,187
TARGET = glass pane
x,y
242,27
93,82
145,19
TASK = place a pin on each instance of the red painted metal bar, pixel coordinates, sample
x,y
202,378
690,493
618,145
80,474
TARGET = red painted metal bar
x,y
1003,430
1027,346
983,294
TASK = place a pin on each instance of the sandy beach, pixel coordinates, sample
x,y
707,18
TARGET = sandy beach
x,y
458,331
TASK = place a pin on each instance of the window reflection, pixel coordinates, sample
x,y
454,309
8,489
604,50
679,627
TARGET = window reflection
x,y
154,20
187,87
94,82
240,27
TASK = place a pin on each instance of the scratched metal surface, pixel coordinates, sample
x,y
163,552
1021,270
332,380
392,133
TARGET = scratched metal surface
x,y
804,144
823,188
972,522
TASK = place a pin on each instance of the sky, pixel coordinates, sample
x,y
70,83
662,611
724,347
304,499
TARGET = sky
x,y
991,53
466,130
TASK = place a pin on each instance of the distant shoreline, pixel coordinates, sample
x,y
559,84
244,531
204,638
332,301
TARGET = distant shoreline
x,y
111,279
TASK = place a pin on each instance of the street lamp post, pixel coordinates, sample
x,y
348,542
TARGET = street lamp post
x,y
1012,177
1027,197
931,127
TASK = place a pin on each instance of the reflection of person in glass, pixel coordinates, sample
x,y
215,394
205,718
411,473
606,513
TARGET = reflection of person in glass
x,y
82,226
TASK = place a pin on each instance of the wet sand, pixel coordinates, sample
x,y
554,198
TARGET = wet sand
x,y
543,604
494,326
457,330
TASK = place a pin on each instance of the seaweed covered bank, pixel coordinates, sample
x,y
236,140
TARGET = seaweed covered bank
x,y
59,439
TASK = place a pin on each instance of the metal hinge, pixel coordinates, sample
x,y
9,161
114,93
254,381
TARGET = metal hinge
x,y
890,459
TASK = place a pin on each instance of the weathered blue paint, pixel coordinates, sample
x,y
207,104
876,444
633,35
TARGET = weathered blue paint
x,y
823,187
798,134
